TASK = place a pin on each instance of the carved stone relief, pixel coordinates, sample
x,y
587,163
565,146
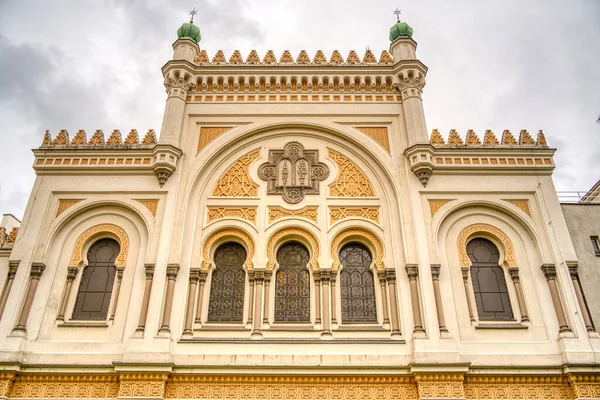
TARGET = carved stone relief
x,y
293,172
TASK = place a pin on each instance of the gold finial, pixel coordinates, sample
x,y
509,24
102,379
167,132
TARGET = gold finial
x,y
192,14
397,12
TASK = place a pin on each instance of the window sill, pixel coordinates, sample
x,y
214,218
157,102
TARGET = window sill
x,y
293,327
500,325
86,324
222,328
363,328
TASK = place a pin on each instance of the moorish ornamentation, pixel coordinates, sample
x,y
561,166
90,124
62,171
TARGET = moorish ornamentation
x,y
358,235
247,213
308,212
151,205
340,213
350,182
236,181
490,137
65,387
77,256
377,133
473,229
210,133
435,205
293,172
522,205
237,234
291,232
517,387
64,204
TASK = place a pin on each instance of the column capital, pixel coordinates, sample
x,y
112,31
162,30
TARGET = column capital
x,y
390,275
549,271
12,269
435,271
412,270
325,276
573,270
149,270
72,273
259,277
172,270
120,273
317,277
37,268
194,275
514,274
465,273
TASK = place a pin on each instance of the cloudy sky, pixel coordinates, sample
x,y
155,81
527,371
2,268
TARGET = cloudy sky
x,y
494,64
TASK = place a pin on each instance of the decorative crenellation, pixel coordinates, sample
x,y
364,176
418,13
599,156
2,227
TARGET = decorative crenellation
x,y
247,213
340,213
63,204
350,180
97,139
471,139
236,181
303,58
7,240
309,212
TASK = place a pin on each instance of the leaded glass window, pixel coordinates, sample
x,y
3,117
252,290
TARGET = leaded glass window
x,y
228,284
489,283
357,286
95,289
292,284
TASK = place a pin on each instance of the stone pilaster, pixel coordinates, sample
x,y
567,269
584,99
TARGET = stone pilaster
x,y
549,271
465,275
585,311
259,280
149,270
201,283
439,308
391,283
412,270
12,272
514,275
71,275
189,312
116,293
172,270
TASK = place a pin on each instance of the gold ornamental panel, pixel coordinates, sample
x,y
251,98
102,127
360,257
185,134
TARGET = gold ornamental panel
x,y
340,213
471,231
350,181
247,213
309,212
236,181
77,256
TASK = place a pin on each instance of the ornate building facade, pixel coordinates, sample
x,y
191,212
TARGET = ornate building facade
x,y
294,233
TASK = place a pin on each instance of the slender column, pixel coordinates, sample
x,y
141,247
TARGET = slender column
x,y
268,275
333,297
71,275
391,283
435,275
251,297
259,278
189,312
412,270
384,296
202,281
465,275
149,269
317,277
172,270
12,271
34,278
549,271
514,275
587,319
325,279
117,291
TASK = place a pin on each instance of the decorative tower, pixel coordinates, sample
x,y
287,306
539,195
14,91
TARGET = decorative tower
x,y
411,81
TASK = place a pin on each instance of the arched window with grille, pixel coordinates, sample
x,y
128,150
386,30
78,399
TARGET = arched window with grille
x,y
97,279
489,283
292,284
228,284
357,286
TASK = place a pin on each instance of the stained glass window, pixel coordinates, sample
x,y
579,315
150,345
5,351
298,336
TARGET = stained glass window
x,y
489,283
357,287
292,284
95,289
228,284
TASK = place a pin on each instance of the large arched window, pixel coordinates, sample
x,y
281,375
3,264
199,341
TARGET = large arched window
x,y
357,288
97,281
228,284
292,284
489,283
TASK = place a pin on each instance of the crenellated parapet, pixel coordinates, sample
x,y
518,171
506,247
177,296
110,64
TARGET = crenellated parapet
x,y
489,139
98,140
7,239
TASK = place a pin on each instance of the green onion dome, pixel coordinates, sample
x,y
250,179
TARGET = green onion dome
x,y
189,31
400,29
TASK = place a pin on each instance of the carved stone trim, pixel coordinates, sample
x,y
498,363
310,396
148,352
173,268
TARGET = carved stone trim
x,y
237,235
306,235
471,231
247,213
236,181
293,172
362,236
64,204
351,181
377,133
308,212
77,256
340,213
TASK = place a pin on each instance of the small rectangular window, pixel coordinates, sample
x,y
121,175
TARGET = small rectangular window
x,y
596,244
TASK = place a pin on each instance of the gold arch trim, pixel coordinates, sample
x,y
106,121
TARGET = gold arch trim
x,y
243,238
306,235
359,235
473,230
236,181
77,256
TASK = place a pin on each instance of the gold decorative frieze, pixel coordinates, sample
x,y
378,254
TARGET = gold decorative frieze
x,y
308,237
77,256
360,235
235,234
435,205
65,387
440,386
63,204
247,213
585,386
151,205
522,205
142,385
238,97
350,181
377,133
472,231
340,213
517,388
92,162
510,162
291,387
236,181
210,133
6,384
308,212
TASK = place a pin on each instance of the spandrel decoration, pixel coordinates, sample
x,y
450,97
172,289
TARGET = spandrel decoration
x,y
293,172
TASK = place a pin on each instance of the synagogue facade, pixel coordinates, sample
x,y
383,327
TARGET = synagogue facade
x,y
294,232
